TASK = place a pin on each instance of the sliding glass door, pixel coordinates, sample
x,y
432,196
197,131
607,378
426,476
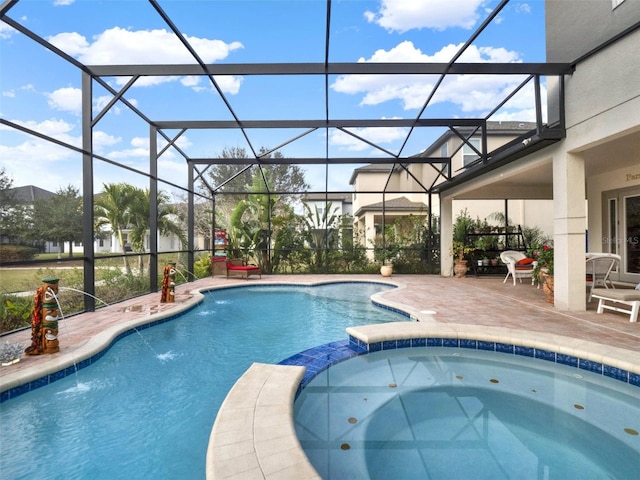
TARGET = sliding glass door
x,y
631,225
622,230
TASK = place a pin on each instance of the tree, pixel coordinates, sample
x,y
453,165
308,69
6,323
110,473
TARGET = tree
x,y
321,231
13,218
240,178
122,206
250,220
111,209
202,217
59,218
139,218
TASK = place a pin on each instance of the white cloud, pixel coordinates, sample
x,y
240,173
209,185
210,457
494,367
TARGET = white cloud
x,y
39,162
228,84
470,92
102,140
523,8
119,46
403,15
140,149
62,3
6,31
67,99
378,136
9,93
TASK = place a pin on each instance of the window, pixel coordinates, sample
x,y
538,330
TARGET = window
x,y
469,154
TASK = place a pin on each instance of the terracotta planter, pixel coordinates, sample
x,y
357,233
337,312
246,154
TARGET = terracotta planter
x,y
386,270
460,268
547,288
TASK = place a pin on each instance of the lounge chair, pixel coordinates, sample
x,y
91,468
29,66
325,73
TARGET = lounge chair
x,y
236,266
518,265
622,296
599,268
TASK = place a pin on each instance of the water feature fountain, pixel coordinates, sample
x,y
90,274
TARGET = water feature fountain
x,y
168,292
44,319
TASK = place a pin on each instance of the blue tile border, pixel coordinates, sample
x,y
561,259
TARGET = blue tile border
x,y
71,370
353,347
47,379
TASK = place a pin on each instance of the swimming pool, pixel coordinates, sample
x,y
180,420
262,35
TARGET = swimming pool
x,y
444,413
146,408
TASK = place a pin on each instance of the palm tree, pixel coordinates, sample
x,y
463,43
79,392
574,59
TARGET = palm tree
x,y
112,209
140,214
249,223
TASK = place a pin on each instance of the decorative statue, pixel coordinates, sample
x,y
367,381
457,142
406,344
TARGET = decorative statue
x,y
168,284
44,319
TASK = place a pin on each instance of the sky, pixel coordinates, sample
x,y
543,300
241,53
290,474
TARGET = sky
x,y
42,92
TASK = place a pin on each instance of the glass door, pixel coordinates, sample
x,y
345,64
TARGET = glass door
x,y
621,231
631,246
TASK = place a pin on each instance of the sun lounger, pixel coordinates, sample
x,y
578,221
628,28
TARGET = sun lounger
x,y
235,266
630,298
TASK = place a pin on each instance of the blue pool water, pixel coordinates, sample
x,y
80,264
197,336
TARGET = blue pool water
x,y
449,413
146,408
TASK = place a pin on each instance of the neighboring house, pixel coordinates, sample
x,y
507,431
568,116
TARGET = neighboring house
x,y
338,206
592,174
341,204
27,195
370,208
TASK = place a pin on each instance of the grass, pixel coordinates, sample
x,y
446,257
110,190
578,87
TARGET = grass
x,y
19,280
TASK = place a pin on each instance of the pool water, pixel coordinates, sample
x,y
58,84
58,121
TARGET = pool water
x,y
146,408
448,413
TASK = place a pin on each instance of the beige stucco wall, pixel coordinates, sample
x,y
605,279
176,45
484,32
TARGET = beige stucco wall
x,y
592,22
623,178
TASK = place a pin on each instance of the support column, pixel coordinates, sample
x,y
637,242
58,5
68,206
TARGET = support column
x,y
569,232
446,236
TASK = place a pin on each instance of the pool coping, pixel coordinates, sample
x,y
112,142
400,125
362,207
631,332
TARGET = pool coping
x,y
237,449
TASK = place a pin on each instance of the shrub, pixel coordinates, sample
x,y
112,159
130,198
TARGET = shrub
x,y
202,267
15,312
17,253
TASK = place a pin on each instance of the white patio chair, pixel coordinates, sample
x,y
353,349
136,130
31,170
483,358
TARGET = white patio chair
x,y
599,268
511,258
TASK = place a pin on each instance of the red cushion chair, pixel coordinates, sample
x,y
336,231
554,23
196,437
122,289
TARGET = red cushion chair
x,y
512,259
235,266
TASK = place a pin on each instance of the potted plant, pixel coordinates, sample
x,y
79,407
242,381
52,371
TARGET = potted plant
x,y
543,272
459,251
386,250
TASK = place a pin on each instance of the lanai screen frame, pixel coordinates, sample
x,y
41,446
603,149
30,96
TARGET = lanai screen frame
x,y
543,135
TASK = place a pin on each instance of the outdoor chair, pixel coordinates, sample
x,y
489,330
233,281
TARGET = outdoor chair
x,y
236,266
519,266
599,268
609,299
